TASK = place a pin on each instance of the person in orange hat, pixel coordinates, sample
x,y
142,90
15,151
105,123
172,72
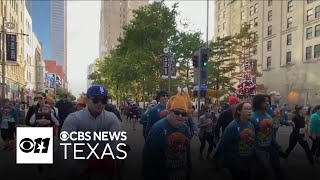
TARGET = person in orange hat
x,y
226,117
166,153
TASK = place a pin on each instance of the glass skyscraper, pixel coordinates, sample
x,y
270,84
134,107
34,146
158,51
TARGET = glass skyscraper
x,y
58,33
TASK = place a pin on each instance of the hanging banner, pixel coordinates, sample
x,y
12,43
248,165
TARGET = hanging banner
x,y
174,68
11,48
164,65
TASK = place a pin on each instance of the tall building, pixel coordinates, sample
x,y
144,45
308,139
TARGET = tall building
x,y
30,65
91,68
13,11
115,14
288,47
58,27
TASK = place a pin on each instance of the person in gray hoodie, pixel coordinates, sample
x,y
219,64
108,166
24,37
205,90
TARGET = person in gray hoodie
x,y
93,118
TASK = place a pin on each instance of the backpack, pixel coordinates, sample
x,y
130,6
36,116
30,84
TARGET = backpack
x,y
47,116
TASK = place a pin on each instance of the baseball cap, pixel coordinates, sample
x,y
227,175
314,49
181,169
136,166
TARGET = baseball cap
x,y
97,90
232,100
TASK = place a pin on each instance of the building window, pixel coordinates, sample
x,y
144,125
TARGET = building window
x,y
223,26
268,62
288,57
256,8
251,23
224,14
242,3
255,22
255,49
289,39
269,45
290,5
308,52
317,30
309,33
289,22
317,51
218,28
309,14
242,15
219,6
269,15
269,30
251,11
317,11
269,2
219,17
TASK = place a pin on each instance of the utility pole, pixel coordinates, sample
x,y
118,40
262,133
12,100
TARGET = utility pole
x,y
3,59
199,80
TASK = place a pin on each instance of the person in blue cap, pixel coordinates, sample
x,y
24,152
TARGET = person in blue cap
x,y
93,118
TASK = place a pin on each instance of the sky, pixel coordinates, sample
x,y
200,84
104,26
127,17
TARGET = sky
x,y
83,33
40,13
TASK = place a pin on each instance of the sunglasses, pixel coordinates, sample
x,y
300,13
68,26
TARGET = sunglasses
x,y
96,100
208,111
164,95
177,112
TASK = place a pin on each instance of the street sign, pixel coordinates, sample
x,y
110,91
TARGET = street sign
x,y
165,66
202,87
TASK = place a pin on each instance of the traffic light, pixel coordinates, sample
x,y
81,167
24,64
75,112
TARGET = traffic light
x,y
195,61
204,57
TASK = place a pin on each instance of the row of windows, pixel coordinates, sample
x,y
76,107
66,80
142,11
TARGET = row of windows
x,y
316,52
308,55
309,32
254,9
288,59
310,13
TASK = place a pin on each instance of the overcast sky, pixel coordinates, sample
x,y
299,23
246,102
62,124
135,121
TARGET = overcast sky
x,y
83,34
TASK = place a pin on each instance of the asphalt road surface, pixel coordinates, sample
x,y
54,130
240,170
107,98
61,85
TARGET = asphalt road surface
x,y
296,166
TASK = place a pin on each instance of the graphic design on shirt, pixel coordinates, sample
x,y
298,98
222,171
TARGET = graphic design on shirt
x,y
246,143
276,118
264,134
176,150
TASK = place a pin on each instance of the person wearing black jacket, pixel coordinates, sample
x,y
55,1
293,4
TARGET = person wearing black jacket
x,y
226,117
40,99
64,106
298,133
111,108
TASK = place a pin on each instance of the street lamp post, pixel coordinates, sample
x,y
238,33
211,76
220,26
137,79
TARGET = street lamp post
x,y
3,59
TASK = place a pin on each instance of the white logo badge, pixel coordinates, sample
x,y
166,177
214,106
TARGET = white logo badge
x,y
101,90
34,145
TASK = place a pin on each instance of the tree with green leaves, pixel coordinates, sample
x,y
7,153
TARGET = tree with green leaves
x,y
221,65
243,47
186,44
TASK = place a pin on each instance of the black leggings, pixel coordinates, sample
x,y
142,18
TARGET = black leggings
x,y
297,138
315,149
207,138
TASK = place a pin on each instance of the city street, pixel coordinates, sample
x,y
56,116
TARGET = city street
x,y
296,166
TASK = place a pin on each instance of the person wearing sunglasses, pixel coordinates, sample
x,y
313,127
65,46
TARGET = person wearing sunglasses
x,y
93,118
166,153
40,100
155,114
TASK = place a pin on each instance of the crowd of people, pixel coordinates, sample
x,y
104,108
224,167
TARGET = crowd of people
x,y
241,137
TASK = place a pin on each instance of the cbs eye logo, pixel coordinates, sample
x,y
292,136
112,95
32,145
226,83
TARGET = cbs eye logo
x,y
39,145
